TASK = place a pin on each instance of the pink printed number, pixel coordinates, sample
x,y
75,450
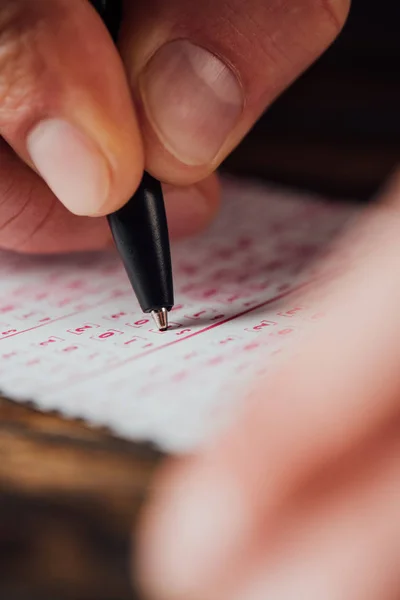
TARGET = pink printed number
x,y
105,335
83,328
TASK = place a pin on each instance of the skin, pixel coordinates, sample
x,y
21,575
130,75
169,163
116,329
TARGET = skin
x,y
307,505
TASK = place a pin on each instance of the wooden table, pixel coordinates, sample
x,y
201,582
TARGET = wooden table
x,y
69,497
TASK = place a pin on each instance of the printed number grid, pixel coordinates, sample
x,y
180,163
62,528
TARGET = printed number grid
x,y
72,337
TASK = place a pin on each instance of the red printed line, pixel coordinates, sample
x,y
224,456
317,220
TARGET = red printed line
x,y
191,335
73,314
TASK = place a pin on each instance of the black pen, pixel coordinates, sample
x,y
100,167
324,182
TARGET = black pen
x,y
140,228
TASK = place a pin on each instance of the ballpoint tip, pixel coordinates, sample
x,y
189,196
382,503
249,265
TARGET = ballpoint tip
x,y
161,318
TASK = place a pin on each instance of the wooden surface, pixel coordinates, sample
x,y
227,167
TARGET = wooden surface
x,y
69,496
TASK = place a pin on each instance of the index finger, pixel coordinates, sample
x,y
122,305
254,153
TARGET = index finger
x,y
65,105
203,72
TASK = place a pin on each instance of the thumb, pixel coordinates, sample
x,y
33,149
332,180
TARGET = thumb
x,y
203,72
65,106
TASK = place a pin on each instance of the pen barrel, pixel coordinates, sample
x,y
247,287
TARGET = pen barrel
x,y
140,233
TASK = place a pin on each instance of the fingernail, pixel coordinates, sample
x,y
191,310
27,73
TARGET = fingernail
x,y
71,164
193,539
192,99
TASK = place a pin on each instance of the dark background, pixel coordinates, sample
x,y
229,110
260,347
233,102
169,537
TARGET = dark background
x,y
337,129
69,495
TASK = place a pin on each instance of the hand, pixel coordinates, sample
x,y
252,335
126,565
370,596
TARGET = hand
x,y
300,497
200,74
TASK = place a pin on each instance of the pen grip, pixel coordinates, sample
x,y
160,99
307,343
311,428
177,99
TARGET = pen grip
x,y
140,227
145,249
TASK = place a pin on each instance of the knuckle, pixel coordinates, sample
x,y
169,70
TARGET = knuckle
x,y
13,224
20,200
24,34
21,209
18,70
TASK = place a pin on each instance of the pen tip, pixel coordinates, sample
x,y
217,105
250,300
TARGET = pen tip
x,y
161,318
